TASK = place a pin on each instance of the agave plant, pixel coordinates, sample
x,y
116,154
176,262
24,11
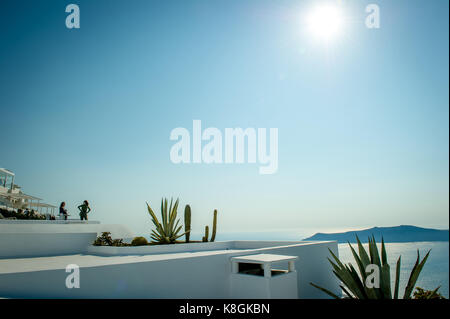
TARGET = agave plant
x,y
353,285
167,231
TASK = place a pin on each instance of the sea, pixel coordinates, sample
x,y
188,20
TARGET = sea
x,y
434,274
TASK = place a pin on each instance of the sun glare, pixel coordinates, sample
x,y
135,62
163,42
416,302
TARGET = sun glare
x,y
325,22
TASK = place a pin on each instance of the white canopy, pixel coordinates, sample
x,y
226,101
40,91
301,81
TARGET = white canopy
x,y
19,196
42,205
7,172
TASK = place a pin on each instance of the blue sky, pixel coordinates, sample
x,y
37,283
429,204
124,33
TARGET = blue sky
x,y
363,123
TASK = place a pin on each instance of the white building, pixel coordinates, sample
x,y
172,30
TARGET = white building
x,y
12,196
41,258
34,256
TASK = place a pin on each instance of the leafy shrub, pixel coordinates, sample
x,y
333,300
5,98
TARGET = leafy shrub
x,y
106,240
139,241
20,214
118,243
103,240
421,293
8,213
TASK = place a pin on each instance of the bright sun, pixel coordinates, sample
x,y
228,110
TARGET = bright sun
x,y
325,22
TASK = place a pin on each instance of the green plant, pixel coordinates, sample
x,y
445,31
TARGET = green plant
x,y
214,229
354,285
421,293
167,231
139,241
103,240
118,243
20,214
187,222
205,238
34,215
213,235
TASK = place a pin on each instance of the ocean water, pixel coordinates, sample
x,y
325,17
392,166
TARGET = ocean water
x,y
435,272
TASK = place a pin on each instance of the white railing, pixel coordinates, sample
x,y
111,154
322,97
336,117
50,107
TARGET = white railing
x,y
46,221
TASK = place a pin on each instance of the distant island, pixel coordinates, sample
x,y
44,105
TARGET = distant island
x,y
397,234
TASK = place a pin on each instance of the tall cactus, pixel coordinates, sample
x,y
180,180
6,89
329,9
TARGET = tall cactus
x,y
205,238
187,222
213,235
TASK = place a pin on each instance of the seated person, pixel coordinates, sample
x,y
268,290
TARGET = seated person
x,y
63,211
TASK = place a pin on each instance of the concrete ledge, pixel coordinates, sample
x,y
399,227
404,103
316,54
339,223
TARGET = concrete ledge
x,y
158,249
28,227
190,247
17,245
33,221
181,275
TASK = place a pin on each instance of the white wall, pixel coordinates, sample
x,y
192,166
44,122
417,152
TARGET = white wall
x,y
26,238
61,226
15,245
206,276
159,249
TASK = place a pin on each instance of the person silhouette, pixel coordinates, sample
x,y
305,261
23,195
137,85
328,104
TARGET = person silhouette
x,y
84,210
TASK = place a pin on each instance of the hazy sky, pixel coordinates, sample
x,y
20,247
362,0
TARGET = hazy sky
x,y
363,123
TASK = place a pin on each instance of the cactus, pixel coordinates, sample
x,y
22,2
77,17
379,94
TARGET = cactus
x,y
187,222
205,238
213,235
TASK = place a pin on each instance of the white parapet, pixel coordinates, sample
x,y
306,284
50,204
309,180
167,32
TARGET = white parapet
x,y
16,245
34,238
163,271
